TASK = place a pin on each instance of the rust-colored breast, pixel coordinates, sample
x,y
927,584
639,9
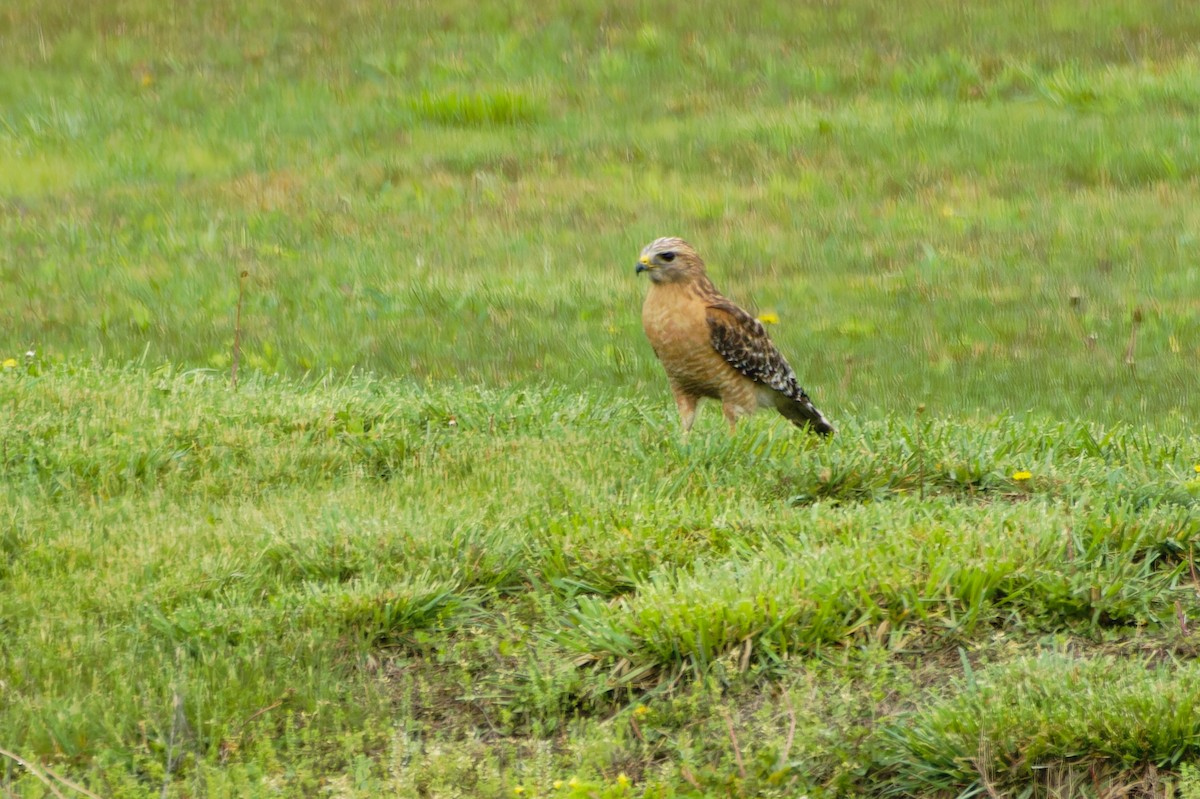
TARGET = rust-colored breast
x,y
674,319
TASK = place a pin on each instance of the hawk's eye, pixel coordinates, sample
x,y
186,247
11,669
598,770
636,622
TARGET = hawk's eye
x,y
668,256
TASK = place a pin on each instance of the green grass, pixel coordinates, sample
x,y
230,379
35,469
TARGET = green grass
x,y
319,573
474,110
458,193
444,538
1015,717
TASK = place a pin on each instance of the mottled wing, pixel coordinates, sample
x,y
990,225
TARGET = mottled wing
x,y
743,342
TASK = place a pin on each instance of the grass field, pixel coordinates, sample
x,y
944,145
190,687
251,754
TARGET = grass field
x,y
443,537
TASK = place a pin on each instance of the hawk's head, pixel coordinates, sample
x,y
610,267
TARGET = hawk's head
x,y
669,260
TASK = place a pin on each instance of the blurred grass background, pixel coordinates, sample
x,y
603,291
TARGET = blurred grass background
x,y
957,206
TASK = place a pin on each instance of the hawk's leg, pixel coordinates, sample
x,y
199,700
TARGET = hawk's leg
x,y
731,415
687,407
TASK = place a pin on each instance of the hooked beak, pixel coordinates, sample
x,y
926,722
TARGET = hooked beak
x,y
643,265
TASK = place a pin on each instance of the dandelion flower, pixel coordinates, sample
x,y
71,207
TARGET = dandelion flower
x,y
1021,475
641,710
769,318
622,780
1197,467
558,784
519,789
11,363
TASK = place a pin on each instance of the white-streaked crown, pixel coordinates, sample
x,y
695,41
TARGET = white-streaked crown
x,y
666,244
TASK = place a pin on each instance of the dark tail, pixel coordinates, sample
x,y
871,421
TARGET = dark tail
x,y
802,413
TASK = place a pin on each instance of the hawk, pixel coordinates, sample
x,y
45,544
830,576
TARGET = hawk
x,y
710,347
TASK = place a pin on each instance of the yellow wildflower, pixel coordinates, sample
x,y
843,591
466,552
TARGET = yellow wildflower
x,y
1021,475
558,784
519,789
1198,468
10,363
573,782
641,710
769,318
947,211
622,780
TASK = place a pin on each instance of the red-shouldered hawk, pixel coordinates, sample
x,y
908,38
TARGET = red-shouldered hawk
x,y
712,348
